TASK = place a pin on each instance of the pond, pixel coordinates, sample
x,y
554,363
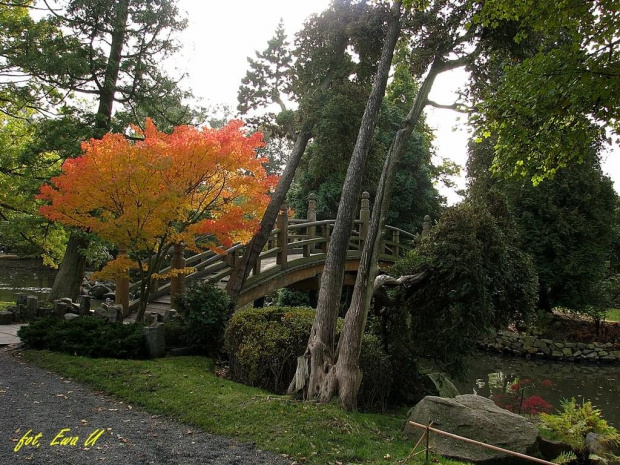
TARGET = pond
x,y
496,376
24,277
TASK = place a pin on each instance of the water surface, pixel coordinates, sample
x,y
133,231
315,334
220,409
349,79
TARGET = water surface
x,y
24,277
493,375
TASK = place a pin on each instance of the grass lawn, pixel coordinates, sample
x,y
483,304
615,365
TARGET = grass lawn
x,y
613,314
186,389
4,305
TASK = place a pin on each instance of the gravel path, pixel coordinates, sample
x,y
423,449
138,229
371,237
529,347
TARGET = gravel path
x,y
37,400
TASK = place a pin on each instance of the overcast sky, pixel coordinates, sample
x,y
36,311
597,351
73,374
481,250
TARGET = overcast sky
x,y
221,35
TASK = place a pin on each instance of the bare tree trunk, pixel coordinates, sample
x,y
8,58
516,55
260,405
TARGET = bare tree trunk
x,y
247,262
71,271
345,373
256,244
320,348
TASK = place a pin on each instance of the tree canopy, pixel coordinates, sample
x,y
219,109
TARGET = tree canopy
x,y
549,107
199,187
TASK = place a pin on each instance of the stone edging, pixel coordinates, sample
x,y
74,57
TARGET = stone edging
x,y
532,346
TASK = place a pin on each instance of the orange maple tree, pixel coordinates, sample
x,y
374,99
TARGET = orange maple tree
x,y
205,188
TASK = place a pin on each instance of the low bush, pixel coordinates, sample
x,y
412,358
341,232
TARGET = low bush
x,y
85,336
263,346
205,310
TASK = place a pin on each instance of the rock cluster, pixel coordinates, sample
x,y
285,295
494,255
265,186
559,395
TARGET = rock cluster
x,y
532,346
27,308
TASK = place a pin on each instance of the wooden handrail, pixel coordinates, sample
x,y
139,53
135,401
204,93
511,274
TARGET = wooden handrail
x,y
478,443
287,239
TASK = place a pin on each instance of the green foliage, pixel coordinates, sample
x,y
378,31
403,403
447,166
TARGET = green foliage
x,y
565,223
205,309
565,457
175,334
478,280
325,163
22,229
85,336
550,105
263,345
575,421
378,373
292,298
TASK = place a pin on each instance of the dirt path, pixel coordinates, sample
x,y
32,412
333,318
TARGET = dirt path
x,y
40,405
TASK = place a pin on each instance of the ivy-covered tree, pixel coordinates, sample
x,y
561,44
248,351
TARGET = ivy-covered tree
x,y
478,280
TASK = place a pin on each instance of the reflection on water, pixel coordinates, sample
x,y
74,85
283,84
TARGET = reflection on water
x,y
24,277
492,375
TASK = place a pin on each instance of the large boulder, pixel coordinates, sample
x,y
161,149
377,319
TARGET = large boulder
x,y
473,417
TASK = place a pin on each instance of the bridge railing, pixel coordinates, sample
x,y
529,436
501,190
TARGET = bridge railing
x,y
294,241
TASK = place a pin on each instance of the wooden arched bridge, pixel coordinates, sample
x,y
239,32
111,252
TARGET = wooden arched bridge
x,y
294,257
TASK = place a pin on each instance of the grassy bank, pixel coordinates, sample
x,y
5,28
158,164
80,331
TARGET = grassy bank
x,y
613,314
186,389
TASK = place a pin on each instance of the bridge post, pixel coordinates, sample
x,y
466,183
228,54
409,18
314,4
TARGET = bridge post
x,y
426,226
177,282
311,230
364,218
282,237
231,258
396,240
325,234
122,287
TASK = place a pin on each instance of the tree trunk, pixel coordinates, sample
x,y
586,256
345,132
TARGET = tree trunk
x,y
71,271
247,262
103,118
321,343
346,376
256,244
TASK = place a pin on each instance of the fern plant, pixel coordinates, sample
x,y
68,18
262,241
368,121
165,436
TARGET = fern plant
x,y
574,422
565,457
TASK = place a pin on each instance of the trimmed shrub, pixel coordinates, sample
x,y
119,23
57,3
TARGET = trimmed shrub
x,y
205,309
263,345
175,334
85,336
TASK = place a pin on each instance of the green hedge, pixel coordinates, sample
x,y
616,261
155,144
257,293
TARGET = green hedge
x,y
263,345
85,336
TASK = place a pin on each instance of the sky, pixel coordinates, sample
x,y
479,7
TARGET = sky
x,y
221,36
